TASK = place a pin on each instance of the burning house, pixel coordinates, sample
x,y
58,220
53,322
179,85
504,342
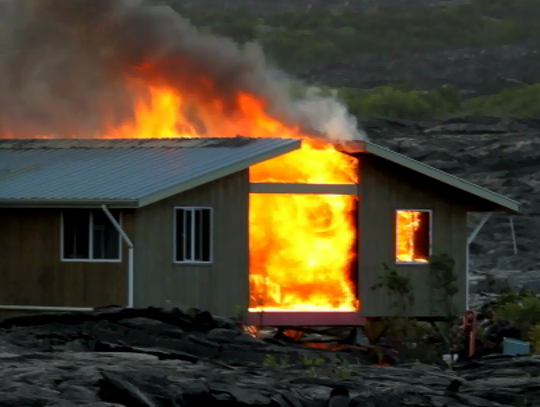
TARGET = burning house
x,y
123,181
227,224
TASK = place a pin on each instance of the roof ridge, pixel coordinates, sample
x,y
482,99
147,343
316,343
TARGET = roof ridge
x,y
126,143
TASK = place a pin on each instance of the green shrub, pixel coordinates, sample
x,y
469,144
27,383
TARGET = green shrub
x,y
522,102
534,337
523,311
400,103
311,35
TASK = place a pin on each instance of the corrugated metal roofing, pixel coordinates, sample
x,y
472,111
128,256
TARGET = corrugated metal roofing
x,y
137,172
133,171
195,142
429,171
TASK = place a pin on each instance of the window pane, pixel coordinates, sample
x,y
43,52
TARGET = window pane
x,y
193,234
188,234
76,234
421,236
179,233
197,235
412,236
105,237
206,234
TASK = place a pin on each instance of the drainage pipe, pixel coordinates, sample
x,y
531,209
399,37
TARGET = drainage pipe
x,y
478,228
129,244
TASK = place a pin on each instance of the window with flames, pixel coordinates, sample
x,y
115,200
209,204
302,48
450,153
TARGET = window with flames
x,y
413,236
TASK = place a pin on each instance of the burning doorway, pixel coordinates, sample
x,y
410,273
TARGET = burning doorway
x,y
302,246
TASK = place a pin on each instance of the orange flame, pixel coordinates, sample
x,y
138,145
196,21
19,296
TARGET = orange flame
x,y
407,248
301,246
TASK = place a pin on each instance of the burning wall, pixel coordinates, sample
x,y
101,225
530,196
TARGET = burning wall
x,y
302,246
130,69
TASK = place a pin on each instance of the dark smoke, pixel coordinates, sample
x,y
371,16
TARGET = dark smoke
x,y
64,65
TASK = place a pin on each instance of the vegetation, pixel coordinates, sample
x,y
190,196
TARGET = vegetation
x,y
399,287
399,102
522,310
441,270
402,103
309,35
306,37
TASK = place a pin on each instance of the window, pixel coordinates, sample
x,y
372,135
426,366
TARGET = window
x,y
413,236
89,235
192,235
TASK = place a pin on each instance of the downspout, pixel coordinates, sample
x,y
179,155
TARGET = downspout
x,y
478,228
129,244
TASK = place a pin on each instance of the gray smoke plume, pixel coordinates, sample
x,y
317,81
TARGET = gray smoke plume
x,y
65,67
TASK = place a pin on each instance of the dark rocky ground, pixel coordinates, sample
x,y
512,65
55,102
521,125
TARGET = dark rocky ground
x,y
114,357
473,70
137,358
500,154
154,358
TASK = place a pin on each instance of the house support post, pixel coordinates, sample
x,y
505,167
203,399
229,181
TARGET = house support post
x,y
513,235
129,244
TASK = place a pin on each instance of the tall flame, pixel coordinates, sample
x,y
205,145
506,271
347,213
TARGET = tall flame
x,y
81,68
301,246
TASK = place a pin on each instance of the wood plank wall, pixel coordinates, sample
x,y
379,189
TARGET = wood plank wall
x,y
31,272
220,287
384,188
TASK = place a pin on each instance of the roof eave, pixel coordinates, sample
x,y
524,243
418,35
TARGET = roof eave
x,y
220,173
500,202
68,203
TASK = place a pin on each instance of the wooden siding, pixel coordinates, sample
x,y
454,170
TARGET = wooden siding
x,y
31,272
220,287
384,188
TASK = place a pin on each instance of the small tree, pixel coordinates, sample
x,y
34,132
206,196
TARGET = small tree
x,y
441,269
400,288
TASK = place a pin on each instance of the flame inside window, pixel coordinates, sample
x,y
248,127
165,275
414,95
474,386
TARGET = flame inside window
x,y
413,238
302,252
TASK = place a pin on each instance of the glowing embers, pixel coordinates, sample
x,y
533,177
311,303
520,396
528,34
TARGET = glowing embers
x,y
301,250
413,236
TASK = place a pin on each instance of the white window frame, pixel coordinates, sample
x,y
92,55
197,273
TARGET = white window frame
x,y
211,237
413,263
90,242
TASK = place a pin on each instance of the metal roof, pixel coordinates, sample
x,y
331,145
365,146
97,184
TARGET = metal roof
x,y
138,172
368,147
122,172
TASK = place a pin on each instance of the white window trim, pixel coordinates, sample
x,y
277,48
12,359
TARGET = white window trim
x,y
211,243
413,263
90,243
